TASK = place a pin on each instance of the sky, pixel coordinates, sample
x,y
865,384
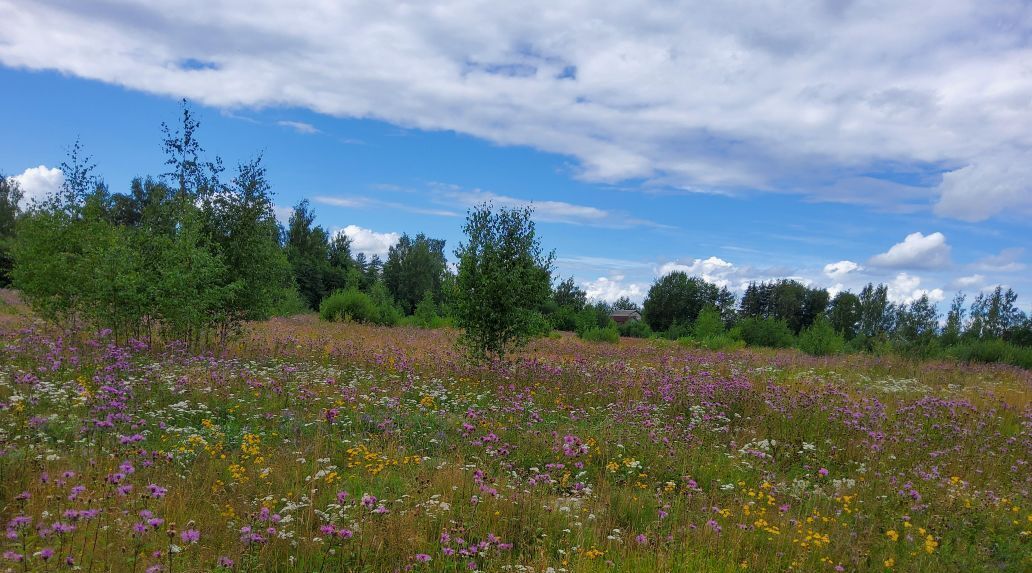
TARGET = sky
x,y
837,142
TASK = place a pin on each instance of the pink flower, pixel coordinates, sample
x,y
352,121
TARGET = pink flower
x,y
823,472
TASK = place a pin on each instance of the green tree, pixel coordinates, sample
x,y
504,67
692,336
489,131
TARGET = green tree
x,y
954,327
503,278
568,295
242,227
307,248
844,314
677,298
821,339
415,266
708,324
10,198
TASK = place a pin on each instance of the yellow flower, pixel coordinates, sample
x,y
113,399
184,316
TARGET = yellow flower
x,y
889,563
891,534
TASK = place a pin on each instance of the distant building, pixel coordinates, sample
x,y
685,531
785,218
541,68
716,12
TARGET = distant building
x,y
622,316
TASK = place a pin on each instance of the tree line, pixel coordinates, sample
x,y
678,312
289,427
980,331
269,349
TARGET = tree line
x,y
195,251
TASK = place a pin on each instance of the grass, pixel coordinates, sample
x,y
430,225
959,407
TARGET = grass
x,y
578,456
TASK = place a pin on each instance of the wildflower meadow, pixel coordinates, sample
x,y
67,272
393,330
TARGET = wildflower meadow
x,y
311,446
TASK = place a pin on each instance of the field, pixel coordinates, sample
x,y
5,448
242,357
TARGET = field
x,y
333,447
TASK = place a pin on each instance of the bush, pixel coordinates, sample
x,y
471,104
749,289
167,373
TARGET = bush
x,y
595,334
635,329
708,323
426,311
718,342
350,304
992,350
564,318
764,332
538,325
678,330
591,317
290,303
820,339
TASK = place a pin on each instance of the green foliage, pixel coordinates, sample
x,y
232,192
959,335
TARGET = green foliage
x,y
787,300
564,318
992,350
426,311
770,332
678,330
414,267
350,305
289,303
820,339
608,334
844,314
503,278
635,329
591,316
568,295
189,262
715,342
708,324
10,195
676,297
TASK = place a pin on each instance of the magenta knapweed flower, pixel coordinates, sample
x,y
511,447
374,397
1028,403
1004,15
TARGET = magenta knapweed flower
x,y
422,557
341,496
190,536
823,472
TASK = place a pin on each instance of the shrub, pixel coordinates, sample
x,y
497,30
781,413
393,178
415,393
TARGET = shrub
x,y
426,311
992,350
290,303
635,329
564,318
350,304
718,342
820,339
708,323
764,332
678,330
595,334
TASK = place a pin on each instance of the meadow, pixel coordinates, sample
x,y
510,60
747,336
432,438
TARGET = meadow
x,y
314,446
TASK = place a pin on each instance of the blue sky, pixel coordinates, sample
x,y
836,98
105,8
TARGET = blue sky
x,y
738,147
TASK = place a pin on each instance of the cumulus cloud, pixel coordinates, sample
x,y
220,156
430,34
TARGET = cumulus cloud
x,y
917,251
368,241
38,182
836,271
905,288
611,288
723,273
790,99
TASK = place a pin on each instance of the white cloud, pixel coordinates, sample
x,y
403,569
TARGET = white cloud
x,y
610,289
840,269
38,182
368,241
299,126
904,288
1007,261
370,203
815,93
969,281
544,211
722,273
917,251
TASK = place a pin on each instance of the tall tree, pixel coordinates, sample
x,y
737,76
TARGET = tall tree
x,y
844,314
414,267
10,198
876,311
677,298
503,277
307,249
568,294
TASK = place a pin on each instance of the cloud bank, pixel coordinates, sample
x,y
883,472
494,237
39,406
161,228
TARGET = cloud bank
x,y
901,105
